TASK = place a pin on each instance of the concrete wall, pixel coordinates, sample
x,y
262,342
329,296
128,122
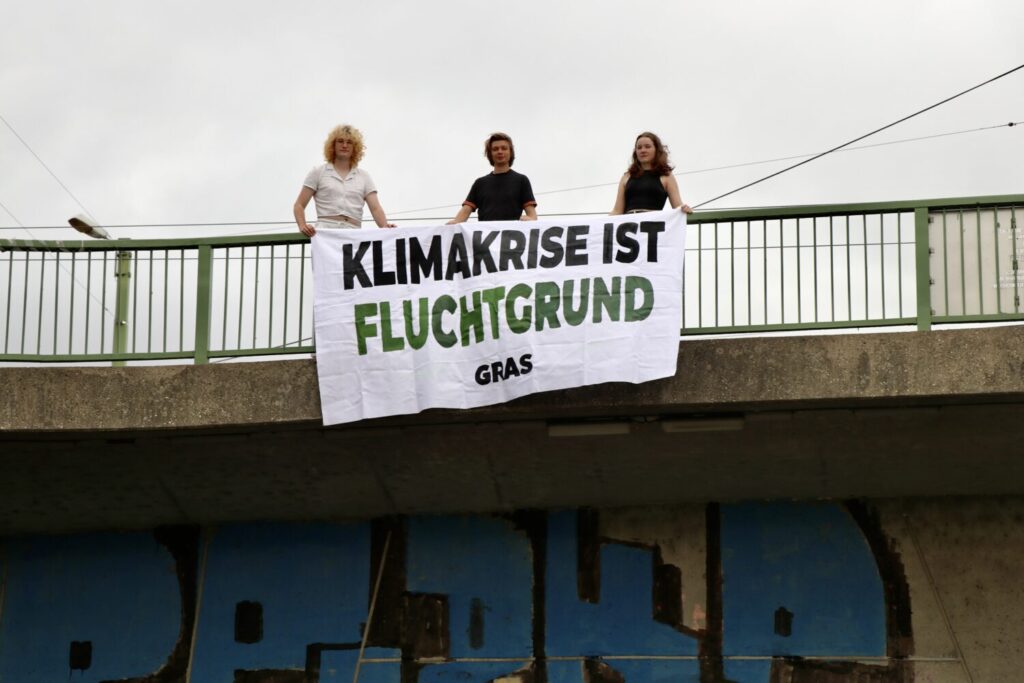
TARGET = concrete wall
x,y
840,416
896,590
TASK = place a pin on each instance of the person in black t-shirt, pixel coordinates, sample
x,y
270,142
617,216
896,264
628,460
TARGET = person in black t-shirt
x,y
503,194
649,181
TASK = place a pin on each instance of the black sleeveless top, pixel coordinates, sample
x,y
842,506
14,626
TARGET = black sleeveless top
x,y
645,191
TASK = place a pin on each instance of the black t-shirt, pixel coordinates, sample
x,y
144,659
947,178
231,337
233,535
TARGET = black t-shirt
x,y
645,192
501,196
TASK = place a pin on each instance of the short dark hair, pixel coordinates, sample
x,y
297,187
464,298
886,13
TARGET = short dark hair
x,y
496,137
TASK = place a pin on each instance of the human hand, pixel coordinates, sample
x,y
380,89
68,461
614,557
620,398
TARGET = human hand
x,y
307,230
685,208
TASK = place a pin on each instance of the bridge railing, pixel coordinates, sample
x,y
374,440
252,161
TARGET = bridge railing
x,y
751,270
855,265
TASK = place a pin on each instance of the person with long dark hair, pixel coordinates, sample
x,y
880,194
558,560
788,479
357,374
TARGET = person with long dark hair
x,y
649,181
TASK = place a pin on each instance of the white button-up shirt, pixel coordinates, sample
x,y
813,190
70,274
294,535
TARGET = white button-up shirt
x,y
337,196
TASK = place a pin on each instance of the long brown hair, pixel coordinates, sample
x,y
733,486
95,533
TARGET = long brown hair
x,y
660,162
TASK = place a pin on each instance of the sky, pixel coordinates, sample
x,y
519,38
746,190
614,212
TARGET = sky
x,y
199,112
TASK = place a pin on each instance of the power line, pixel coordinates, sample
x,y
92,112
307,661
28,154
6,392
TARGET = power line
x,y
48,169
22,226
62,266
1011,124
867,135
709,169
8,211
798,156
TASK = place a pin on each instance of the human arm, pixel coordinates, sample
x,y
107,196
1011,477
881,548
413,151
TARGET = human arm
x,y
672,187
468,206
620,197
529,202
462,216
299,211
377,211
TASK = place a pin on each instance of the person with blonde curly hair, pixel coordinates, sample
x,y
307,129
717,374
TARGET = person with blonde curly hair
x,y
648,181
502,194
339,186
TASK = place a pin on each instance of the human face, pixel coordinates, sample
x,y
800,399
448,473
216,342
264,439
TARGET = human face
x,y
343,148
644,151
500,152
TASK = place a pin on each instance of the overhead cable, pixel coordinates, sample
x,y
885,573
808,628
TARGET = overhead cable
x,y
48,169
866,135
709,169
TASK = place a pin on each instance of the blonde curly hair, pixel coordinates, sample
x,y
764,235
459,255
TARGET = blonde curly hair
x,y
345,132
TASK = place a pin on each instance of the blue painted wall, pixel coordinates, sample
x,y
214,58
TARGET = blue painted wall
x,y
120,592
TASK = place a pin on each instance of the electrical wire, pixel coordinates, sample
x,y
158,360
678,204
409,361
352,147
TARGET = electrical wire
x,y
48,169
8,211
862,137
62,266
698,171
70,194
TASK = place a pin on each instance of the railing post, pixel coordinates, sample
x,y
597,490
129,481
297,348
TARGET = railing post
x,y
922,253
204,299
123,276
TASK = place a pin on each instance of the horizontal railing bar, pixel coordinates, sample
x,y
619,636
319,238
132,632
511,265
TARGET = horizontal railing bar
x,y
791,327
978,318
272,351
82,357
825,210
835,245
146,245
295,237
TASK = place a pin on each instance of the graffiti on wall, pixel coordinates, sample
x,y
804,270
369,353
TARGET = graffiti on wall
x,y
744,592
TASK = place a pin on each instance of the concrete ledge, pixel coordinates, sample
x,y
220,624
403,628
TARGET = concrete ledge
x,y
835,416
713,375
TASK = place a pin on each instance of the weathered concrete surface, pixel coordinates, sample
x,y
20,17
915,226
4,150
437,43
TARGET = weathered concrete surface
x,y
963,559
957,366
907,414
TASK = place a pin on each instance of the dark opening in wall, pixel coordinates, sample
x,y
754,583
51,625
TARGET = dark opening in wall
x,y
248,622
476,623
783,622
80,655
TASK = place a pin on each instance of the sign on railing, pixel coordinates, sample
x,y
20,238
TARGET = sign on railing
x,y
975,258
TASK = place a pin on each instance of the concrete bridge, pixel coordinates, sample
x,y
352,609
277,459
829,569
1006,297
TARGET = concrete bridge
x,y
806,417
813,508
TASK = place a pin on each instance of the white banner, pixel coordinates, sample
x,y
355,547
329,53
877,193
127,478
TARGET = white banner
x,y
481,313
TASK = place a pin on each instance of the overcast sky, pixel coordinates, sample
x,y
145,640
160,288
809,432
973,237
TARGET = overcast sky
x,y
200,111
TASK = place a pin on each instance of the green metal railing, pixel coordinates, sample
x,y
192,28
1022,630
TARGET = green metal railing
x,y
785,268
854,265
156,299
